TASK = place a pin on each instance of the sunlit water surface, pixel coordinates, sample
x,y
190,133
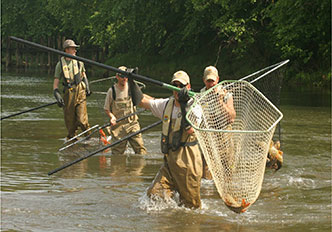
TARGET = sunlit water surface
x,y
107,193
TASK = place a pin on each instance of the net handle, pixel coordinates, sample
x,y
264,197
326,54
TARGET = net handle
x,y
276,66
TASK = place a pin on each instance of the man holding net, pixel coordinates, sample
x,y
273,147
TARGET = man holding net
x,y
182,168
211,79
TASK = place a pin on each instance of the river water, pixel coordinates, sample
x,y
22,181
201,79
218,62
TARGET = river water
x,y
107,193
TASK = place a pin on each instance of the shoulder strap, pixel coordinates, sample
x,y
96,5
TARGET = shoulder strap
x,y
113,92
165,106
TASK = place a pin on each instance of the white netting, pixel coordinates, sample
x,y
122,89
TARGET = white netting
x,y
235,151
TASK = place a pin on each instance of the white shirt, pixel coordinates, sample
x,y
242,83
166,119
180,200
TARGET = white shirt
x,y
157,107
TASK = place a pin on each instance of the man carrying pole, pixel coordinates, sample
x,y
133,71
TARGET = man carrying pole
x,y
76,88
118,103
182,168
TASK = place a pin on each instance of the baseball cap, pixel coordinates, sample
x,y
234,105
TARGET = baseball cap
x,y
182,77
69,43
210,73
123,68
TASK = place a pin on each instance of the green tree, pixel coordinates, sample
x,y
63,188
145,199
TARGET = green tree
x,y
302,31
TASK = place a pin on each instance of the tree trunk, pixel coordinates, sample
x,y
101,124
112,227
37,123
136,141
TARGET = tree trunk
x,y
41,54
49,60
8,55
26,61
17,55
59,40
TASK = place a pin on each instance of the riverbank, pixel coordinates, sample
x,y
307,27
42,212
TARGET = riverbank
x,y
229,65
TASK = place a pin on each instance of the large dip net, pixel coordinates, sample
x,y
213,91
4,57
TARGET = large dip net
x,y
235,150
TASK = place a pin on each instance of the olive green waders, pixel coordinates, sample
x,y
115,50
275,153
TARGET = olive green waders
x,y
75,110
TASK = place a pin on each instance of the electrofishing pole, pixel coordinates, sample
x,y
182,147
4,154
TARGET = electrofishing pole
x,y
132,74
98,128
104,66
25,111
104,148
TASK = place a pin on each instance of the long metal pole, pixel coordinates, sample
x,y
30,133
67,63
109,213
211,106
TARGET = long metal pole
x,y
25,111
104,66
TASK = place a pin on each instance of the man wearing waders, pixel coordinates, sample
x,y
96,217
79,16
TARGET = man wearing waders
x,y
223,100
119,103
182,168
210,79
76,88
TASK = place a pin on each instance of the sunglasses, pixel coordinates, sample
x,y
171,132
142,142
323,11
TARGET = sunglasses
x,y
180,85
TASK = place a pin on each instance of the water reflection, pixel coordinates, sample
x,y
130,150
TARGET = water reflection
x,y
105,192
77,170
121,165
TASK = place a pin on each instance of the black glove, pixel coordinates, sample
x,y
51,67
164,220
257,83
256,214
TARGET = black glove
x,y
184,123
87,87
183,99
183,96
136,92
58,98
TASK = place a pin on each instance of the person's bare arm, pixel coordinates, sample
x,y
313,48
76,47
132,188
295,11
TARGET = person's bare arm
x,y
56,83
111,116
229,107
145,103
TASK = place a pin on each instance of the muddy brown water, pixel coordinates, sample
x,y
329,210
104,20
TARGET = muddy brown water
x,y
107,193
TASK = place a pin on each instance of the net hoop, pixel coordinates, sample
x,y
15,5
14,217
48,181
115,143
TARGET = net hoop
x,y
235,151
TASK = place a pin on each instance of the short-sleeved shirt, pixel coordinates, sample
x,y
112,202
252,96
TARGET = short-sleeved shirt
x,y
157,107
59,72
118,93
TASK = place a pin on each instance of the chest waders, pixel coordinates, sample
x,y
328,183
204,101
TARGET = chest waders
x,y
75,110
175,139
121,107
182,167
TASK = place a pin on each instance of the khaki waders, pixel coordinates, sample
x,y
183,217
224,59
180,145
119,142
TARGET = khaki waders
x,y
122,107
182,168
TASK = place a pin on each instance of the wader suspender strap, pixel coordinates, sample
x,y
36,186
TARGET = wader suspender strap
x,y
114,97
165,136
114,94
66,82
170,120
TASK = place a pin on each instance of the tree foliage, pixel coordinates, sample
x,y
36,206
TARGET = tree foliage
x,y
268,30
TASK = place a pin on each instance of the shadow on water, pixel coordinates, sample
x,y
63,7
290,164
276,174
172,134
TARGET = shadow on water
x,y
107,193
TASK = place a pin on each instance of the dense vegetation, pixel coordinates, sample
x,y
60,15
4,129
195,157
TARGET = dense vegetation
x,y
162,36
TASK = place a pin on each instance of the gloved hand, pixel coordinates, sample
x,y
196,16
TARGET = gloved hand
x,y
87,87
58,98
184,123
183,95
136,92
183,99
